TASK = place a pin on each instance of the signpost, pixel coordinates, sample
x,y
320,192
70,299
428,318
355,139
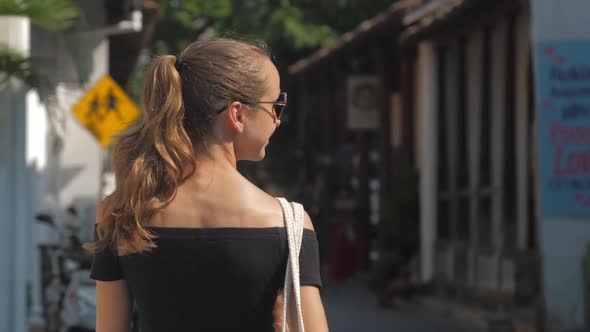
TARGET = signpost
x,y
106,110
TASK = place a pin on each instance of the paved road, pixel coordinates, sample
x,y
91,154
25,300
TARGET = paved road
x,y
351,308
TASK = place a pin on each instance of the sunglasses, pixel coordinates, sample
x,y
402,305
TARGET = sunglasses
x,y
278,106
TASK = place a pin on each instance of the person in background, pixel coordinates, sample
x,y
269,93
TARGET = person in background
x,y
345,249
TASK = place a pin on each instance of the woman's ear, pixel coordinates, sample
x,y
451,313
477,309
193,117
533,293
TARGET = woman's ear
x,y
237,116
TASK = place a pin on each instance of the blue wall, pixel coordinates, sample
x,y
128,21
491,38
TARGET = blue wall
x,y
563,239
564,244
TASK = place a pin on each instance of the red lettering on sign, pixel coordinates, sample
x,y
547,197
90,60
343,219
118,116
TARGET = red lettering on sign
x,y
583,199
572,164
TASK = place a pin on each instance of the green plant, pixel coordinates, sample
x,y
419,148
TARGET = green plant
x,y
15,65
52,15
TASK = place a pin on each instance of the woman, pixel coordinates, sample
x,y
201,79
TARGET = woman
x,y
184,235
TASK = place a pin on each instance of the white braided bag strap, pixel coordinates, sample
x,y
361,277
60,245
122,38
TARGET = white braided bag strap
x,y
298,218
293,215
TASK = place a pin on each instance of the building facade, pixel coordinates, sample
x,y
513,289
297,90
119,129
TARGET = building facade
x,y
475,102
459,112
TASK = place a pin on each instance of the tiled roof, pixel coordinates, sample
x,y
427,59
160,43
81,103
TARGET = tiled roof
x,y
449,11
433,17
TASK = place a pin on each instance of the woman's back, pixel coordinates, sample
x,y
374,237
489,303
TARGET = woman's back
x,y
219,263
215,198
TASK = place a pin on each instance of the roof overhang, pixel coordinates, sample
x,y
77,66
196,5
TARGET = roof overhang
x,y
392,16
421,22
424,20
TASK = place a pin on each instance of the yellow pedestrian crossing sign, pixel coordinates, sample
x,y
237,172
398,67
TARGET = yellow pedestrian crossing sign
x,y
106,110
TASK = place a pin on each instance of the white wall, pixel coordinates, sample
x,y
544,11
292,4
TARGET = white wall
x,y
75,160
20,166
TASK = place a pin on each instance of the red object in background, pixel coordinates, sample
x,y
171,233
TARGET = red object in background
x,y
345,254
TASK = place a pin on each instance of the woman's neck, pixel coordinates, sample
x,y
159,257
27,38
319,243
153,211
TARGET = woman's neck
x,y
216,155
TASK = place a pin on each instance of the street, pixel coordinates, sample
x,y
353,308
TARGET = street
x,y
350,307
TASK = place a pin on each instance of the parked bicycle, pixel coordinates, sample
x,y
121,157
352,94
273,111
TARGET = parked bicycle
x,y
68,293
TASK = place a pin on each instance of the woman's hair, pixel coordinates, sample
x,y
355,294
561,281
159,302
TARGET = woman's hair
x,y
181,98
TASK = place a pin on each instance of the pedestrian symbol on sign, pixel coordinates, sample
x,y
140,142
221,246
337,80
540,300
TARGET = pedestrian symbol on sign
x,y
113,104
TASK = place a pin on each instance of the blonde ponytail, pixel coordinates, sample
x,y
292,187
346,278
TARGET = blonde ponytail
x,y
149,163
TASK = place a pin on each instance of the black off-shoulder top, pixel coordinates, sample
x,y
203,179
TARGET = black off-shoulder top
x,y
209,279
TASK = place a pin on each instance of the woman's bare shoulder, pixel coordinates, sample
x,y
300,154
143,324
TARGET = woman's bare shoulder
x,y
264,205
272,204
